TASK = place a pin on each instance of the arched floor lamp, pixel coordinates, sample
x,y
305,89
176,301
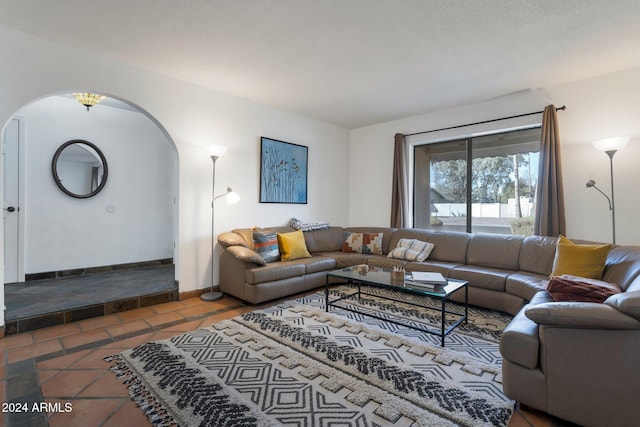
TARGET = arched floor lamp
x,y
231,197
609,146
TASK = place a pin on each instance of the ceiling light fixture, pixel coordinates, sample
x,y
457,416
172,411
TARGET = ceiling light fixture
x,y
88,99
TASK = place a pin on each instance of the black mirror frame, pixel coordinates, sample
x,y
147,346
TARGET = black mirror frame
x,y
56,178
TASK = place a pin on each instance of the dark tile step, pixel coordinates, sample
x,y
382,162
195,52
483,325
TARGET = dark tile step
x,y
21,325
55,301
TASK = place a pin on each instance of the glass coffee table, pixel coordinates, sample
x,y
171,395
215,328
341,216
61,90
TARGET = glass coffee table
x,y
381,278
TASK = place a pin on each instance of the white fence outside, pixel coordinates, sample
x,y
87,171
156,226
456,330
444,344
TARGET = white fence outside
x,y
485,210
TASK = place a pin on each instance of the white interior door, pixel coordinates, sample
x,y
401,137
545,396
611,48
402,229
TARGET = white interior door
x,y
11,200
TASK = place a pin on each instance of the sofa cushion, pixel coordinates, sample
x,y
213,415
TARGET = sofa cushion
x,y
481,277
572,288
274,271
525,285
265,243
579,260
382,261
327,240
317,263
450,246
494,250
627,302
363,243
623,266
633,286
537,253
292,246
411,250
347,259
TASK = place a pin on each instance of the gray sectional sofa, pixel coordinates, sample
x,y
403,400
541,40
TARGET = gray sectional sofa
x,y
504,272
579,360
574,360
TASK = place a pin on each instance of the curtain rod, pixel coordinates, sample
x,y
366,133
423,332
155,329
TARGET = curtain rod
x,y
483,122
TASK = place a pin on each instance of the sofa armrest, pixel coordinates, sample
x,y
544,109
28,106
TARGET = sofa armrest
x,y
626,302
520,343
244,254
580,315
230,239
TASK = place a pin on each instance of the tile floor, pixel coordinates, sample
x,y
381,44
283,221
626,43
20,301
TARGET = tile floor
x,y
64,367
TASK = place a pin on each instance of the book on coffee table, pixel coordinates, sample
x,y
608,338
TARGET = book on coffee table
x,y
428,278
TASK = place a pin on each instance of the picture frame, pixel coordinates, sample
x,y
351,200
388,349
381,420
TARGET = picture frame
x,y
283,172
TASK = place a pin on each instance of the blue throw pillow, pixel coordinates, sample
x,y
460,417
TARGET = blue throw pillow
x,y
265,243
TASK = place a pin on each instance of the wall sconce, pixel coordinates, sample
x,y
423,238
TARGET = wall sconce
x,y
232,197
609,146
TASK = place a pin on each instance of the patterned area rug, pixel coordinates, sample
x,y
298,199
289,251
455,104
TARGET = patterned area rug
x,y
294,364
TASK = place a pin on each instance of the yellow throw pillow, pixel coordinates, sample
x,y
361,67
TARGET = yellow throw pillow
x,y
579,260
292,246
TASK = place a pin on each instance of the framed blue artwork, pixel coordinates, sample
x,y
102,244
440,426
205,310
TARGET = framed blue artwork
x,y
283,172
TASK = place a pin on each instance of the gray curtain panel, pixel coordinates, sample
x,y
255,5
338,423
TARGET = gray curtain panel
x,y
399,204
550,218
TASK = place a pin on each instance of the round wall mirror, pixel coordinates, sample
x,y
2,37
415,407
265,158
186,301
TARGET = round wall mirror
x,y
79,168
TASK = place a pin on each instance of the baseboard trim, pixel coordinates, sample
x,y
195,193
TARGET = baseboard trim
x,y
196,293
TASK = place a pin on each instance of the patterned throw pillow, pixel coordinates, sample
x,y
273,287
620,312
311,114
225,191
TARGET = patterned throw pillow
x,y
363,243
308,225
412,250
265,243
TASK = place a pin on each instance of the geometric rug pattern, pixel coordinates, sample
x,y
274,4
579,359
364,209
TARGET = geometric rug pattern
x,y
294,364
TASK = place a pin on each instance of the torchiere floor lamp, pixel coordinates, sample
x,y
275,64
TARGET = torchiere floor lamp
x,y
232,197
610,146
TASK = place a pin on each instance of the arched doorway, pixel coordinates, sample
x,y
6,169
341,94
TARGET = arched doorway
x,y
130,225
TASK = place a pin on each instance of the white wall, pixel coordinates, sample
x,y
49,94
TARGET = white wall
x,y
596,108
372,149
130,220
194,118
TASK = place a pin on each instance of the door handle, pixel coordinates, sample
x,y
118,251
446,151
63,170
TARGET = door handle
x,y
10,209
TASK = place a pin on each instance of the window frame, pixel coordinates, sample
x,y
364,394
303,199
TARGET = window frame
x,y
414,142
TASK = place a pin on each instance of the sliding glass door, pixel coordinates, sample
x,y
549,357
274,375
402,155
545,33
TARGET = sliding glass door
x,y
478,184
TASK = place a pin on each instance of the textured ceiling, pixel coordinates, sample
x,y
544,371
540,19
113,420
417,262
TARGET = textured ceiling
x,y
349,62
